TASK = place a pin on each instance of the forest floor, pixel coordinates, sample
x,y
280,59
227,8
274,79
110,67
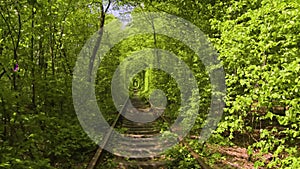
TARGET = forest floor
x,y
235,157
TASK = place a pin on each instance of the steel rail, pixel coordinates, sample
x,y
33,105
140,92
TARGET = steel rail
x,y
99,151
192,152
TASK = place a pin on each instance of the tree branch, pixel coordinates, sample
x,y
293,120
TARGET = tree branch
x,y
97,45
8,26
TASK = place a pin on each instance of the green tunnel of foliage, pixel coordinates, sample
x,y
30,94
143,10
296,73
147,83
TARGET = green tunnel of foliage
x,y
258,43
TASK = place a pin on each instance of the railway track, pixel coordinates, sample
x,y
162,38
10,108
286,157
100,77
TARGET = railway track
x,y
141,141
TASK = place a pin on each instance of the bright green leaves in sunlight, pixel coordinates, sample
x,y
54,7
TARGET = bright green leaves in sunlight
x,y
260,50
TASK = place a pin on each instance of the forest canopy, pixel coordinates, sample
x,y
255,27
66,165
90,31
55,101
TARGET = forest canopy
x,y
257,42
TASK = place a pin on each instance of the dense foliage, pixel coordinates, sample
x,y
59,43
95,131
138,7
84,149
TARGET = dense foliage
x,y
260,52
258,43
38,47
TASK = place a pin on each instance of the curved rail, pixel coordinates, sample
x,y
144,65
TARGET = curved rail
x,y
99,151
193,153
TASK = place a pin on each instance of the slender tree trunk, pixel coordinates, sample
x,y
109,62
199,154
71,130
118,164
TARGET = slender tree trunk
x,y
99,39
32,59
4,119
